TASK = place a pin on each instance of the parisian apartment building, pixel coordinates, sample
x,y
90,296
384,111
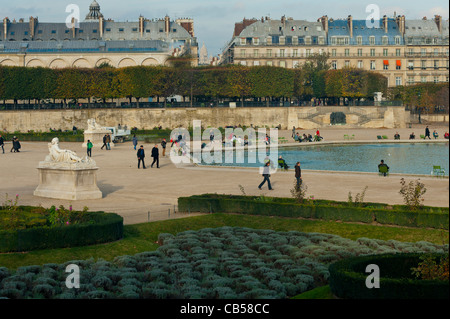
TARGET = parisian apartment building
x,y
96,41
405,51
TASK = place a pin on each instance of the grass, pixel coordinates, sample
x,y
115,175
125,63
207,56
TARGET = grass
x,y
143,237
323,292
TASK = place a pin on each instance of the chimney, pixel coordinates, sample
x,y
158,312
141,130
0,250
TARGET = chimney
x,y
33,25
438,20
167,25
324,20
5,27
385,23
73,27
101,24
350,25
141,25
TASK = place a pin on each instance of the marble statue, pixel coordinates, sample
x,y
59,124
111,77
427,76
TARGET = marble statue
x,y
94,126
59,157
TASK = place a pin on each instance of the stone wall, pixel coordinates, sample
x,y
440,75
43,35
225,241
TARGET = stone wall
x,y
287,117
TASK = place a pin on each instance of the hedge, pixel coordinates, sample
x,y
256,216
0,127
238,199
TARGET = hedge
x,y
348,278
433,217
104,227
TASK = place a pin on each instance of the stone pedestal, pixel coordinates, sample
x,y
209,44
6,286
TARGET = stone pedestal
x,y
68,183
96,137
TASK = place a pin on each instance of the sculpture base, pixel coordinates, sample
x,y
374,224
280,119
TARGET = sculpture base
x,y
96,137
69,184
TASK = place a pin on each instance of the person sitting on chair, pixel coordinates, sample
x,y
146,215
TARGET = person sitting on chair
x,y
446,135
383,168
397,136
435,134
282,163
412,136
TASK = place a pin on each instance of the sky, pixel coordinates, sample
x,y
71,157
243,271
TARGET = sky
x,y
214,19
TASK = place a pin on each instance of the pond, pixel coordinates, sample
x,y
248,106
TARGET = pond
x,y
403,158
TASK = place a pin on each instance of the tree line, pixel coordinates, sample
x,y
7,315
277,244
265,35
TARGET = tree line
x,y
314,79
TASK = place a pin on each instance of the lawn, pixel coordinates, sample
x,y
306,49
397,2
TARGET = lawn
x,y
143,237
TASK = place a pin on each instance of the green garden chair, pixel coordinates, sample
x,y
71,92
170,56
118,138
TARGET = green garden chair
x,y
379,137
385,137
438,171
422,136
353,136
383,171
346,137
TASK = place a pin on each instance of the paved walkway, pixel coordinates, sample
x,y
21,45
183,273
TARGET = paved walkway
x,y
133,193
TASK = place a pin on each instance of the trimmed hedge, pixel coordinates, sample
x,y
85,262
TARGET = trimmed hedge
x,y
433,217
348,278
102,228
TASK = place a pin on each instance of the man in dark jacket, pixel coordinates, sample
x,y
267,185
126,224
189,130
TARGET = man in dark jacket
x,y
427,133
2,143
141,156
298,174
155,155
163,144
104,143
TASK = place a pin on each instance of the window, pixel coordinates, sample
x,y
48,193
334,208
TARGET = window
x,y
360,52
134,29
53,31
333,40
398,80
398,40
384,40
359,40
411,65
372,65
410,80
66,31
25,33
321,40
423,52
39,31
411,52
360,64
255,53
80,31
282,64
372,40
242,53
307,40
288,40
385,64
436,79
333,52
275,39
174,30
296,64
242,41
347,52
423,79
295,53
398,52
372,52
255,41
282,53
398,65
334,65
256,63
347,63
385,52
148,30
423,64
269,53
94,31
269,63
121,29
108,29
301,40
308,52
436,64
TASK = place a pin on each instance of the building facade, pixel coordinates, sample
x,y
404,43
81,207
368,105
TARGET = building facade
x,y
405,51
95,41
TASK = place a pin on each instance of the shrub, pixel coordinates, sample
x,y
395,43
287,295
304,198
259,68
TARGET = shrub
x,y
412,193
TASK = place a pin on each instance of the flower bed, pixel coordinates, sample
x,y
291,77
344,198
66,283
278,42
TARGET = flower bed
x,y
212,263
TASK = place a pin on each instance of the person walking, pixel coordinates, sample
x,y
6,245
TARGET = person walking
x,y
89,148
163,145
427,133
155,155
141,156
15,145
104,143
266,175
298,174
135,140
2,144
108,141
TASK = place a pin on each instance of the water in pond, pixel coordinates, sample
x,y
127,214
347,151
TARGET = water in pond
x,y
405,158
